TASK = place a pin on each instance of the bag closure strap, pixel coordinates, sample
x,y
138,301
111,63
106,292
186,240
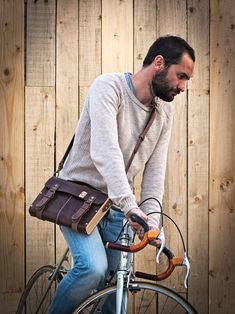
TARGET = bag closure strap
x,y
138,143
80,212
46,199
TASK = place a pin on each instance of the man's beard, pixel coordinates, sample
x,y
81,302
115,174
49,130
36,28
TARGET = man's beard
x,y
161,88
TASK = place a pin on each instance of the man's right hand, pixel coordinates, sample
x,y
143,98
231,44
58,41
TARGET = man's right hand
x,y
138,228
134,225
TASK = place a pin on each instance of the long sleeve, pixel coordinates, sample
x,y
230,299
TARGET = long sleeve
x,y
104,148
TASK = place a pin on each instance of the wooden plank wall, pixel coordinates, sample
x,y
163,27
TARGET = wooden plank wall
x,y
12,153
222,158
68,44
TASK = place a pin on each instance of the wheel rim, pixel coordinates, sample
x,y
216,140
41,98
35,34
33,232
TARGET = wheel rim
x,y
35,290
143,298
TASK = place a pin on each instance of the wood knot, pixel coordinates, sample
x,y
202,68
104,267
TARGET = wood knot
x,y
6,71
231,210
212,273
191,9
174,206
197,198
21,190
226,183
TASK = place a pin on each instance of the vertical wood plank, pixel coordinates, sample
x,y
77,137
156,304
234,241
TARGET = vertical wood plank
x,y
11,153
144,35
172,19
198,154
39,156
89,45
222,161
145,29
66,84
40,125
40,51
117,35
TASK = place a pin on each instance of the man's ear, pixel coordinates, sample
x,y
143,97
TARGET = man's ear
x,y
159,62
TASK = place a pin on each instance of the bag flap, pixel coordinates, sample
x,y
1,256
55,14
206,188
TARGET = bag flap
x,y
77,189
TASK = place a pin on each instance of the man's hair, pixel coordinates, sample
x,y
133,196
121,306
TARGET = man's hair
x,y
171,48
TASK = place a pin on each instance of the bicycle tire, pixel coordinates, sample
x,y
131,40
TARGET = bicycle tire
x,y
153,299
35,289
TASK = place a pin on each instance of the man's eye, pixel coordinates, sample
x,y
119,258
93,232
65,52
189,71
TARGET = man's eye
x,y
182,76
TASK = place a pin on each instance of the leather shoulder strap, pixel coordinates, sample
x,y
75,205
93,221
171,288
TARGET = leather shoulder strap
x,y
61,163
141,137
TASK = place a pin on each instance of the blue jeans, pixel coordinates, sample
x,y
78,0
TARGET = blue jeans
x,y
92,263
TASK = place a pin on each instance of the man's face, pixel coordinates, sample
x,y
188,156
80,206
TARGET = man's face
x,y
170,81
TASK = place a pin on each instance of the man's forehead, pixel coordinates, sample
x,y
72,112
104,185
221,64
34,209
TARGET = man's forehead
x,y
186,65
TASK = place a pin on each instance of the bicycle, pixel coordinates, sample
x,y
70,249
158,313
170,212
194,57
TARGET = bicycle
x,y
132,296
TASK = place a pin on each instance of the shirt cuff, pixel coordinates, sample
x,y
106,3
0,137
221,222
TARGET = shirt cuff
x,y
127,203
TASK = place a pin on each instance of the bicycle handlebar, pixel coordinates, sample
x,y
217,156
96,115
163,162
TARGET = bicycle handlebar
x,y
149,235
173,262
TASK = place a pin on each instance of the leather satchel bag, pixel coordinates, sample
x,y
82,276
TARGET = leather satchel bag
x,y
76,204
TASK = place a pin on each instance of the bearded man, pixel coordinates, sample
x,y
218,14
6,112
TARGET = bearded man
x,y
116,110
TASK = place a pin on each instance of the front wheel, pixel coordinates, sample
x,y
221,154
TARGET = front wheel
x,y
143,297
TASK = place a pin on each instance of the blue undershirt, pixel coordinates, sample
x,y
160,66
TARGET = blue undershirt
x,y
129,82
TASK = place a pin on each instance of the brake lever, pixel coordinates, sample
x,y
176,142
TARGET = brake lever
x,y
187,264
162,238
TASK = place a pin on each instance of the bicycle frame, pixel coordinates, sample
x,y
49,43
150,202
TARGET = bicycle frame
x,y
124,272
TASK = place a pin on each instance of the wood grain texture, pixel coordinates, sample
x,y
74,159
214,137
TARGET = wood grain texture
x,y
222,161
39,125
198,154
172,19
89,41
66,85
90,14
39,156
144,35
145,29
40,47
11,153
117,36
69,43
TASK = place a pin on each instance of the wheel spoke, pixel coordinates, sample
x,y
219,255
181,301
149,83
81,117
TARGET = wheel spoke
x,y
36,289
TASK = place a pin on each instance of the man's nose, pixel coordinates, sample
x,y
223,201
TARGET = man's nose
x,y
181,86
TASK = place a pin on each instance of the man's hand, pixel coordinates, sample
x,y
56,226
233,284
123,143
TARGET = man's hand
x,y
138,228
134,225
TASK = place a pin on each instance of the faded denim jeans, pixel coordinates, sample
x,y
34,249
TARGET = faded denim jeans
x,y
92,264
